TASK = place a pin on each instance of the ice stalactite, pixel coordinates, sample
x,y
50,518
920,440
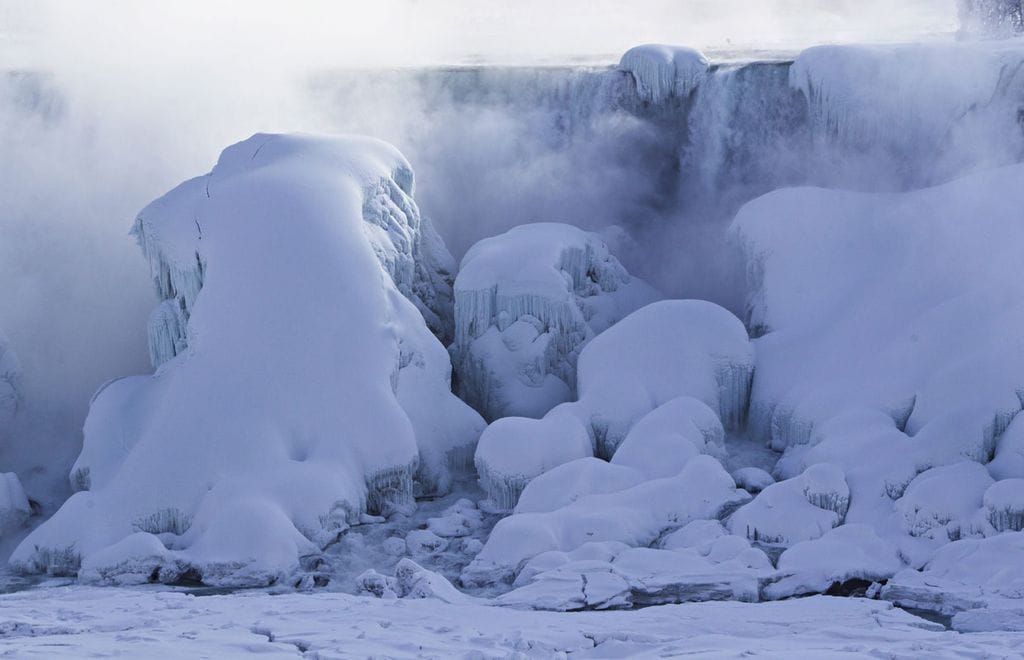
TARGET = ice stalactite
x,y
1004,505
664,72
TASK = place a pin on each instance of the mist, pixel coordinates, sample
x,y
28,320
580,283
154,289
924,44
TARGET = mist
x,y
105,107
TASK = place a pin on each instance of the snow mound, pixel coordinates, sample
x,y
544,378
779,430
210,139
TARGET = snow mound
x,y
570,481
849,552
10,383
14,505
304,389
526,302
662,441
752,479
798,509
514,450
666,350
1009,459
411,581
945,502
664,72
635,516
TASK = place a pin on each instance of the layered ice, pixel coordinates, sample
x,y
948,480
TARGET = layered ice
x,y
526,303
664,72
307,389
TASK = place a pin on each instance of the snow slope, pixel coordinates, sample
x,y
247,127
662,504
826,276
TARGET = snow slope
x,y
306,389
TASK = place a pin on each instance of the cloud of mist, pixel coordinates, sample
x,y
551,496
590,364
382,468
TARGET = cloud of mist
x,y
124,99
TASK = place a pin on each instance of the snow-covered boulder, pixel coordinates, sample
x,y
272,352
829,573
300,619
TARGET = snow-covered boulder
x,y
664,72
752,479
10,383
661,443
848,552
305,387
526,302
944,503
1004,505
514,450
798,509
411,581
1009,459
666,350
635,516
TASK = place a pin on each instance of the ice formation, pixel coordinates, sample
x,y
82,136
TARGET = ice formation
x,y
14,505
1004,505
664,72
514,450
307,389
663,440
526,303
10,383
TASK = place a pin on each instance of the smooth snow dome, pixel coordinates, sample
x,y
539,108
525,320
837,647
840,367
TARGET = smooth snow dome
x,y
526,302
661,443
307,391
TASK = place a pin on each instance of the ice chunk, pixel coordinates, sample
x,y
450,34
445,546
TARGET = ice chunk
x,y
848,552
664,72
570,481
798,509
422,542
526,302
636,516
1004,505
666,350
943,503
411,581
662,441
309,391
514,450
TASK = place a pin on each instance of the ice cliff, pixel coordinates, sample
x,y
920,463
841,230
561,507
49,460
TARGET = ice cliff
x,y
305,388
526,303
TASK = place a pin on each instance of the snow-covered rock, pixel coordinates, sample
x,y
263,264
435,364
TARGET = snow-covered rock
x,y
848,552
945,502
664,72
307,389
526,302
752,479
798,509
662,441
634,516
514,450
666,350
411,581
1009,459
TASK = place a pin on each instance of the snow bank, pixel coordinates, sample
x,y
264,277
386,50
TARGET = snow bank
x,y
664,72
635,516
526,302
514,450
305,388
667,350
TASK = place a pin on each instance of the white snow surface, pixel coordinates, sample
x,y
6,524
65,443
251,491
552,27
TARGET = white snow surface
x,y
526,302
308,389
664,72
76,622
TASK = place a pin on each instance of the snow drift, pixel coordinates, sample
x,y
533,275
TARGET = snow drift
x,y
297,387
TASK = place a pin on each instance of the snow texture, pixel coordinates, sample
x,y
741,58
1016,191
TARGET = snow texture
x,y
307,389
526,303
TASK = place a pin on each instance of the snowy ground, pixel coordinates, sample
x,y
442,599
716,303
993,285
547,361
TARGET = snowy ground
x,y
96,622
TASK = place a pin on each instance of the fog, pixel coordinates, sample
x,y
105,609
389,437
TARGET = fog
x,y
104,106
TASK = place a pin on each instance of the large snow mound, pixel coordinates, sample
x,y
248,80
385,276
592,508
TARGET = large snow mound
x,y
526,303
306,389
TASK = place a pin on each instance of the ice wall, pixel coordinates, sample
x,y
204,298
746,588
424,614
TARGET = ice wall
x,y
309,389
10,383
526,303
